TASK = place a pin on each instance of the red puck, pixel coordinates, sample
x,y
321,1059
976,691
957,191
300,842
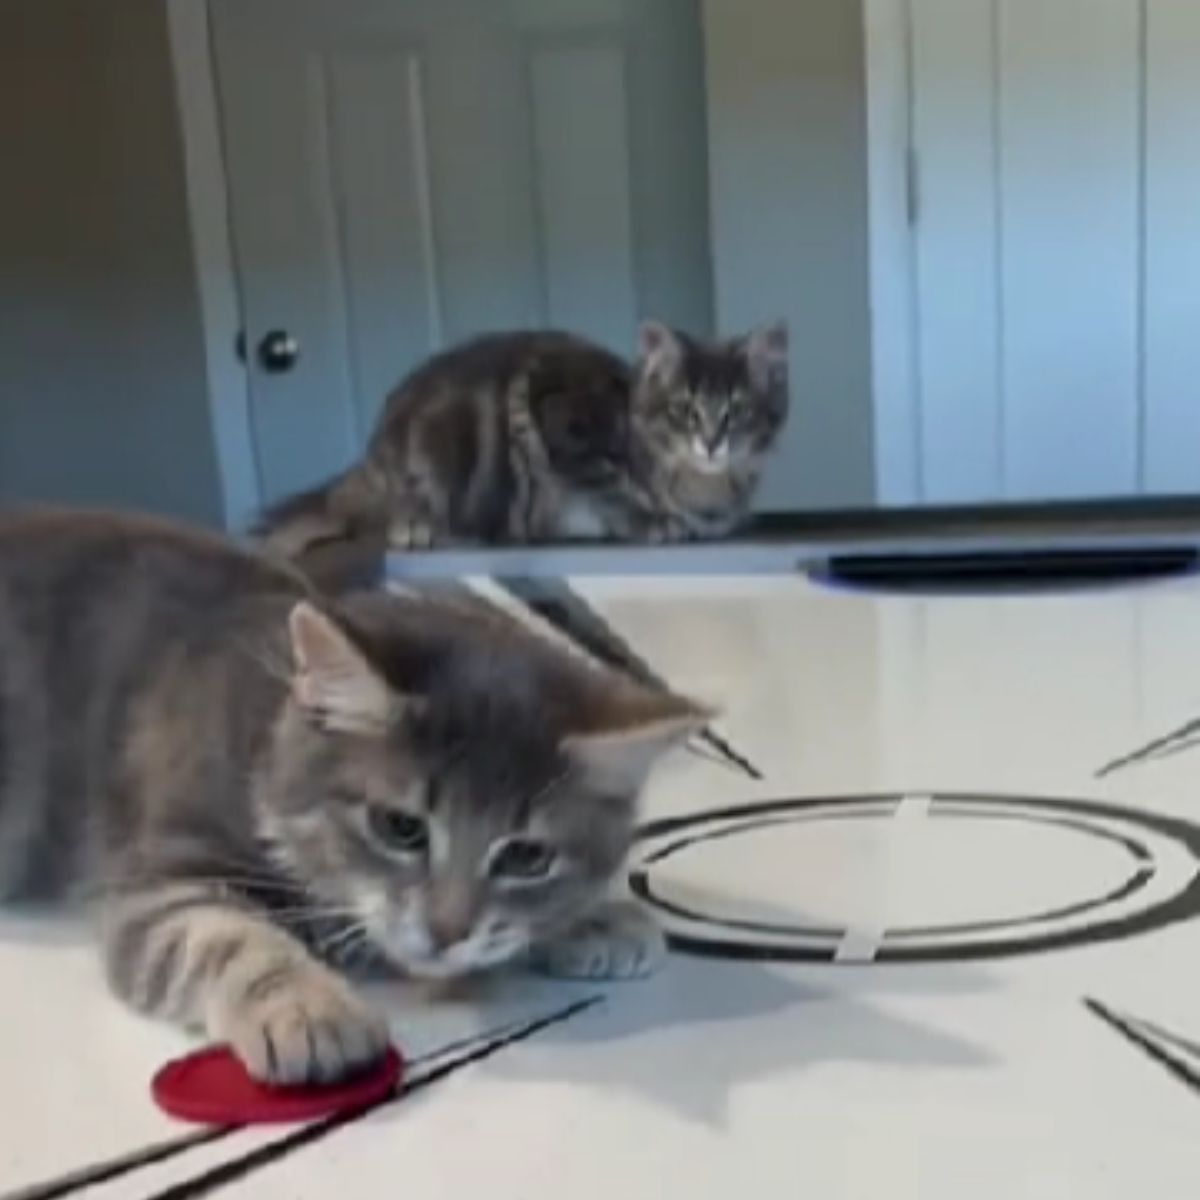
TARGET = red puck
x,y
212,1087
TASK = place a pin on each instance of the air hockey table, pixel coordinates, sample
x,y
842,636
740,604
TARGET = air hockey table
x,y
935,922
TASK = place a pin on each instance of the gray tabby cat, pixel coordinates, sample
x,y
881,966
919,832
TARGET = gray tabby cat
x,y
705,417
259,786
537,437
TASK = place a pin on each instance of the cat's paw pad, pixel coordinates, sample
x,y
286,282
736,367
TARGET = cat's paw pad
x,y
303,1026
620,941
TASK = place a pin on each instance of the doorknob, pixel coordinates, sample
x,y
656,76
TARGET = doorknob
x,y
278,351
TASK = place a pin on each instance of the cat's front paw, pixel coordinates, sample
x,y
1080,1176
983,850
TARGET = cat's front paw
x,y
660,533
618,941
412,533
668,531
302,1024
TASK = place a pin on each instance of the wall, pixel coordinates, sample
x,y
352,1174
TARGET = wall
x,y
102,380
787,118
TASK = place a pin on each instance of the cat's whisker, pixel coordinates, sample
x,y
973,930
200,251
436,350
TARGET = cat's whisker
x,y
344,940
313,916
139,882
275,666
549,786
233,878
215,858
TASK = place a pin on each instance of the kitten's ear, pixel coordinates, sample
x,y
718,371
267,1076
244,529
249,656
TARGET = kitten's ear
x,y
332,680
659,350
767,355
619,754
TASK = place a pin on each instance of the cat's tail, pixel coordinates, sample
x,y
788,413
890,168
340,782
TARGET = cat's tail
x,y
347,508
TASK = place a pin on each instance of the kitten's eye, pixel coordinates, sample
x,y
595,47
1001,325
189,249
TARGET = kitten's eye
x,y
523,860
398,830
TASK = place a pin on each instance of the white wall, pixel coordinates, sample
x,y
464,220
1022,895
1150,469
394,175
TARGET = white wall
x,y
789,209
1041,307
102,382
102,372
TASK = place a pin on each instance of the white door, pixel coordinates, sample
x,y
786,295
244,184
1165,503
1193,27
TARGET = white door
x,y
1054,252
404,173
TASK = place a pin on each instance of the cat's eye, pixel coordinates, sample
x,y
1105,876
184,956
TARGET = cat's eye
x,y
397,830
523,860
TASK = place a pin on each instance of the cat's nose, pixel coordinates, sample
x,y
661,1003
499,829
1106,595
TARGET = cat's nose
x,y
449,924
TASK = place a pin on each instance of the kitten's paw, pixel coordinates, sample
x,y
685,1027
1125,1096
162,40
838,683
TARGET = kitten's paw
x,y
412,534
619,941
665,532
303,1024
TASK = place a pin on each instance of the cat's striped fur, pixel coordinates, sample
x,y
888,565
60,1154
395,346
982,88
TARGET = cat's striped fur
x,y
544,436
256,785
501,439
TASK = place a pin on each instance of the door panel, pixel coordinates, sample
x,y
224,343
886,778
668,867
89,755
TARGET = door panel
x,y
405,174
1069,108
1172,414
957,272
384,259
1056,247
583,188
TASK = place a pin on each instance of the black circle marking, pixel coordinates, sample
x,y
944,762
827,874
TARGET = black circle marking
x,y
1085,817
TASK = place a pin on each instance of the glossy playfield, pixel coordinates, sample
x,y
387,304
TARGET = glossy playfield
x,y
937,951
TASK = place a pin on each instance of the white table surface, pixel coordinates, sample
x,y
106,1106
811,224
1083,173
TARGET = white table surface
x,y
971,1077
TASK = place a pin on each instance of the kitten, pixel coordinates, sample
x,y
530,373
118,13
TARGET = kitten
x,y
538,437
510,437
705,418
259,786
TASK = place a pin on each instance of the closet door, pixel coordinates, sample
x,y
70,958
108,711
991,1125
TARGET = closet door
x,y
405,173
1056,241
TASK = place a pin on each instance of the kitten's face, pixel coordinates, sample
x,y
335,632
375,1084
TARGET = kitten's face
x,y
712,409
452,832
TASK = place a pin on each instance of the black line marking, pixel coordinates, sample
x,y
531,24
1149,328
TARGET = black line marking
x,y
701,748
640,886
240,1168
1074,814
1129,1030
1186,1045
467,1042
1130,887
1183,746
727,831
557,603
1133,848
731,756
158,1152
639,881
115,1168
1150,749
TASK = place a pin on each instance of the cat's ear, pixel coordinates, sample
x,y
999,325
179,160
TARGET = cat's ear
x,y
766,351
660,352
621,750
332,680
